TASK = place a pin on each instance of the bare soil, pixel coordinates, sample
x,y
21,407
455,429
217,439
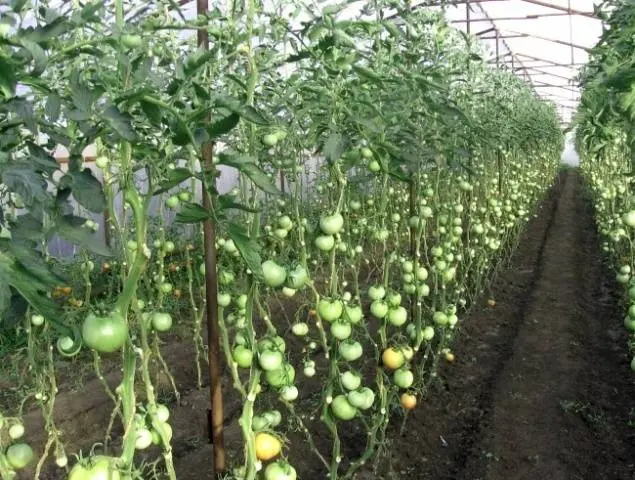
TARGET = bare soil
x,y
541,388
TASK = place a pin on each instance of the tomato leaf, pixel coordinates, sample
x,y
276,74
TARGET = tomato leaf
x,y
175,177
334,147
81,236
8,80
246,112
5,298
192,213
248,247
87,191
226,202
223,126
27,183
120,123
248,166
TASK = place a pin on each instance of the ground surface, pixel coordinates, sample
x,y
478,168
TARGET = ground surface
x,y
541,388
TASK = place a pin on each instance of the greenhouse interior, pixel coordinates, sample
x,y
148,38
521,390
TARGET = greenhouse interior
x,y
317,239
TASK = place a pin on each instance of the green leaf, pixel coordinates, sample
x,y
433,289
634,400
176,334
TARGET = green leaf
x,y
246,112
8,80
367,73
192,213
152,111
5,298
223,126
37,54
334,147
88,191
33,262
27,183
120,123
52,108
80,236
196,60
175,177
227,202
248,247
248,166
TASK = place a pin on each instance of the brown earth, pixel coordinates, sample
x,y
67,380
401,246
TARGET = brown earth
x,y
541,388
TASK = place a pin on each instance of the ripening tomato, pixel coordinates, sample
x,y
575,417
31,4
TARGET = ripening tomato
x,y
267,446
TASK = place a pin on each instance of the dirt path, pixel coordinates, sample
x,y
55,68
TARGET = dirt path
x,y
542,388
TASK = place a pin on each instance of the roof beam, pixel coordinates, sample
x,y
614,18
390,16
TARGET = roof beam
x,y
554,40
539,59
487,30
526,17
542,72
569,11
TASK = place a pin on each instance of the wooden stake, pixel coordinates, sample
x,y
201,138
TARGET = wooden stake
x,y
211,292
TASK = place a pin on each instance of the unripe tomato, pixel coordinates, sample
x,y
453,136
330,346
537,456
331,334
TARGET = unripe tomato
x,y
105,334
342,408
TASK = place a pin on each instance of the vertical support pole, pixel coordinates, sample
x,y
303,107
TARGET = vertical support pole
x,y
467,16
106,227
497,50
211,290
513,66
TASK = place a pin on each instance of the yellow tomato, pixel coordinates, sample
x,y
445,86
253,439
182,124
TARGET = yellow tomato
x,y
267,446
393,358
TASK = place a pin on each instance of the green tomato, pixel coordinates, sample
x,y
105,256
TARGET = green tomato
x,y
403,378
379,308
330,310
350,350
422,274
350,380
37,320
629,218
161,321
281,376
440,318
225,277
19,455
185,196
169,246
224,299
272,343
397,316
243,357
173,201
270,360
407,266
325,243
97,468
273,417
374,166
393,299
163,413
300,329
376,292
144,439
289,393
16,431
285,222
366,152
362,398
131,41
280,470
341,330
270,139
354,313
342,409
274,274
297,278
332,224
105,334
165,287
259,423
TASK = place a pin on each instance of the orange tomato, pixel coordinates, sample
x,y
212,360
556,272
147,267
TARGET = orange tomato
x,y
491,302
408,401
